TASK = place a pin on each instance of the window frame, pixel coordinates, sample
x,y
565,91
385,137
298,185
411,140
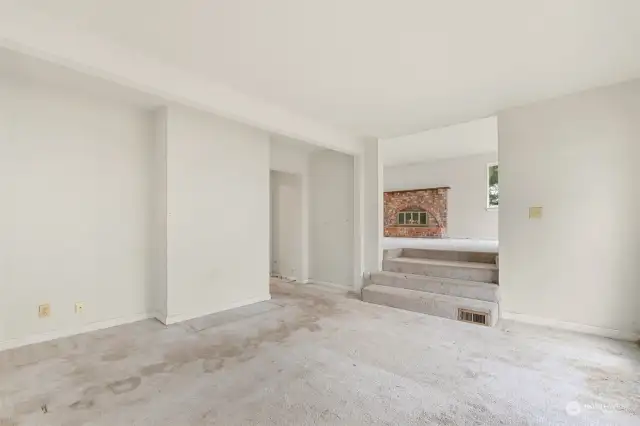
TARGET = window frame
x,y
487,186
411,212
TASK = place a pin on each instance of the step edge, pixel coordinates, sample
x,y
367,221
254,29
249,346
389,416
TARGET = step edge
x,y
401,290
445,263
484,296
443,250
446,280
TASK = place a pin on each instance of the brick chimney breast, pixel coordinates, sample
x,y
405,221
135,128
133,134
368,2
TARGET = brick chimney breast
x,y
416,213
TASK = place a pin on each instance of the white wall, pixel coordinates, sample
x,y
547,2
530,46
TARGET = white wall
x,y
577,157
467,176
218,214
126,209
291,156
331,217
30,31
75,211
460,140
286,224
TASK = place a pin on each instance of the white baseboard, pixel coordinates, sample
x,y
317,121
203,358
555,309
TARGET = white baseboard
x,y
58,334
571,326
307,281
328,284
282,277
160,316
173,319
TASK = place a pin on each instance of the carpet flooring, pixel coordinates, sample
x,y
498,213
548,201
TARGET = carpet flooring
x,y
314,356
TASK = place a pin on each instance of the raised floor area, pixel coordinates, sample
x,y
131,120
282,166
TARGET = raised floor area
x,y
459,285
316,357
463,244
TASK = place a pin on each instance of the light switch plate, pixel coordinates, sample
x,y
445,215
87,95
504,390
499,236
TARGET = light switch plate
x,y
535,212
44,310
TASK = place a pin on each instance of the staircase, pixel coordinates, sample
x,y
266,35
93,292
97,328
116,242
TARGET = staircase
x,y
459,285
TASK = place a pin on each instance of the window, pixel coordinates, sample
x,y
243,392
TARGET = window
x,y
493,193
413,218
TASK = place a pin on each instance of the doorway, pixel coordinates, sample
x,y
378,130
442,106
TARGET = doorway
x,y
286,225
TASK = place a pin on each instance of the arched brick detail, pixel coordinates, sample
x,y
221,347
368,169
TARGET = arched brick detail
x,y
432,200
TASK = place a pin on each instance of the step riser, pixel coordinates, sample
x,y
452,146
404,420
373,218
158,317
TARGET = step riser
x,y
442,271
392,253
482,291
460,256
445,308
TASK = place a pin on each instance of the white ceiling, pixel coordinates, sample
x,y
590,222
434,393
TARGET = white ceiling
x,y
474,137
377,67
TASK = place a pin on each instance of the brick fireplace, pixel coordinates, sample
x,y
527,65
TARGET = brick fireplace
x,y
417,213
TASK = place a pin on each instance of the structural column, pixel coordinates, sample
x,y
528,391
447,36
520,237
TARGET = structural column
x,y
158,233
368,211
203,212
304,255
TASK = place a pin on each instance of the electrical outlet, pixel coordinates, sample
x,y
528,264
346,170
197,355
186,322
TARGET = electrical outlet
x,y
44,310
79,307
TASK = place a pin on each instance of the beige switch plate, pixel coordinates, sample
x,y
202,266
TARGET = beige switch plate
x,y
44,310
79,307
535,212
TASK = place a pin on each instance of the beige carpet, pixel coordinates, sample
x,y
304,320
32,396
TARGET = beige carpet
x,y
315,357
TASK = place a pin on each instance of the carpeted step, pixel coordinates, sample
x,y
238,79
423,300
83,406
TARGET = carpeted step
x,y
452,287
440,305
454,255
469,271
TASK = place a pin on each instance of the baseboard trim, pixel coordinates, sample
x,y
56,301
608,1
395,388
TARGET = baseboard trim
x,y
59,334
328,284
160,316
173,319
282,277
571,326
291,279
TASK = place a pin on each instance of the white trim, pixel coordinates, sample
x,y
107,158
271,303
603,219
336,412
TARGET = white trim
x,y
571,326
282,277
358,222
58,334
173,319
368,212
328,284
160,316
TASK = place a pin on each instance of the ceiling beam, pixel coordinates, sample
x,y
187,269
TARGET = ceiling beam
x,y
26,32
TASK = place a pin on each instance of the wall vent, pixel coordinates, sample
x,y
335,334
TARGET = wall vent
x,y
475,317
